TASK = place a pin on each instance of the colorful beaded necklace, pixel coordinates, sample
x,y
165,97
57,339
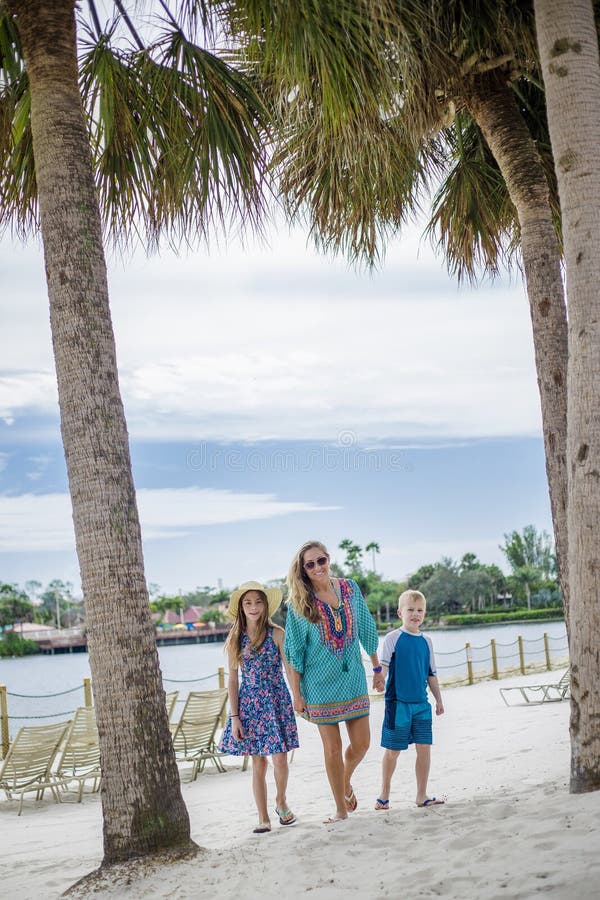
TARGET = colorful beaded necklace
x,y
337,625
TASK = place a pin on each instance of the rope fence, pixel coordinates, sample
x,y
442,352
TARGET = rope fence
x,y
86,687
477,663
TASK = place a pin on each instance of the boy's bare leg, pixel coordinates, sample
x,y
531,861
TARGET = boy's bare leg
x,y
388,767
422,771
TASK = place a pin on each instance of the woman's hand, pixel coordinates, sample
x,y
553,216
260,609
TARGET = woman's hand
x,y
237,729
299,704
378,681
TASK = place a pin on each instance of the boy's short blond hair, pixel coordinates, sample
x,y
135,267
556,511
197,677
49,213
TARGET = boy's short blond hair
x,y
410,597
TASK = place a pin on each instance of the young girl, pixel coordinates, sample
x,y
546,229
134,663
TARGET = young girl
x,y
262,721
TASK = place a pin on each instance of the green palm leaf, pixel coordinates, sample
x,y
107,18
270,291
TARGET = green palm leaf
x,y
472,215
177,134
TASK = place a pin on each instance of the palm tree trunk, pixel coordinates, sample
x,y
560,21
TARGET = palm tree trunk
x,y
141,796
495,110
568,45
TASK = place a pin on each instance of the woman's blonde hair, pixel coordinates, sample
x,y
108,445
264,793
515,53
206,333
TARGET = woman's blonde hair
x,y
301,591
233,644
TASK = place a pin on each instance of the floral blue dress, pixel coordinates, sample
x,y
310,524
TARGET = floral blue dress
x,y
265,706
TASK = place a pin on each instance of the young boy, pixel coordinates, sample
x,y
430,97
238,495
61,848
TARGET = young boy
x,y
407,658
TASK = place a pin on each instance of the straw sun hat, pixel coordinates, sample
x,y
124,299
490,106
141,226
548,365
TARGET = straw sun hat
x,y
273,597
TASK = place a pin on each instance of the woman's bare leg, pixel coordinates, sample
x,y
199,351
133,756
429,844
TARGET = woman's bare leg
x,y
334,766
360,738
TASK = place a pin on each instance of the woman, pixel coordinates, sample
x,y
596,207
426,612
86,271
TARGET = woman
x,y
327,622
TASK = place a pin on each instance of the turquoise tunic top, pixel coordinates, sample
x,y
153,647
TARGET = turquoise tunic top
x,y
328,657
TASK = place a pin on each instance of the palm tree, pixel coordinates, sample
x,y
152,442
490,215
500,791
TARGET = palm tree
x,y
569,53
369,121
373,548
172,132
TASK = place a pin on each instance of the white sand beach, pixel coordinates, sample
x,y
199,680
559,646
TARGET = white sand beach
x,y
509,829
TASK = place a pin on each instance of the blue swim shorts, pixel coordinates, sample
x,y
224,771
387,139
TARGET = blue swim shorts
x,y
412,725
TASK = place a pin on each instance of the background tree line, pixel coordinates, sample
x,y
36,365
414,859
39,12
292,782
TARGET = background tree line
x,y
466,585
451,586
53,605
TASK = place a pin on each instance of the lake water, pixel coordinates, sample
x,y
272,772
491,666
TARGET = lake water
x,y
194,667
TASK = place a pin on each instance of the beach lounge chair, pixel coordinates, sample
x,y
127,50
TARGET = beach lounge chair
x,y
28,763
79,757
541,693
171,700
194,734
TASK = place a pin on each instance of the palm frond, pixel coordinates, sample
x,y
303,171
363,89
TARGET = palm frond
x,y
18,191
176,136
353,199
334,48
18,187
341,75
473,219
11,54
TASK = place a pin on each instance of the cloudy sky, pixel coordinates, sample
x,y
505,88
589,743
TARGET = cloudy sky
x,y
273,395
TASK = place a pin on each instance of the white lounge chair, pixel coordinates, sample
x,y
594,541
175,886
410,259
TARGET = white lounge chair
x,y
541,693
79,758
28,764
171,700
194,734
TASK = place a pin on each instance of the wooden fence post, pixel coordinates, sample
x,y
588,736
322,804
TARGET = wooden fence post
x,y
4,720
87,692
469,663
494,659
547,651
521,655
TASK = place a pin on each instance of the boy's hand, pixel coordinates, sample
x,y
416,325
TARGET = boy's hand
x,y
439,708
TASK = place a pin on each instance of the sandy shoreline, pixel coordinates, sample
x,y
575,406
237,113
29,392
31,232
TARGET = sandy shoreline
x,y
510,829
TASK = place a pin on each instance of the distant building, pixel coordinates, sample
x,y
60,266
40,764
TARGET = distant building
x,y
171,618
192,614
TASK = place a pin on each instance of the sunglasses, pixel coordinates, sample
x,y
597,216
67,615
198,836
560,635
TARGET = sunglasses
x,y
320,561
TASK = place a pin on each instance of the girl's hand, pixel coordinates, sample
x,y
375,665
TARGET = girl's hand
x,y
299,704
237,729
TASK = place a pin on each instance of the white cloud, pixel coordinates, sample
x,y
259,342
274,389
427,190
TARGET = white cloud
x,y
283,343
34,522
33,391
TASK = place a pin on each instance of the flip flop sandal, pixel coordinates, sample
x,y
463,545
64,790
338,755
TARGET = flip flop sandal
x,y
262,828
286,816
431,801
351,801
382,804
334,819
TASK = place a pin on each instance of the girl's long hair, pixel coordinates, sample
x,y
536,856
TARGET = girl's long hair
x,y
240,625
301,590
